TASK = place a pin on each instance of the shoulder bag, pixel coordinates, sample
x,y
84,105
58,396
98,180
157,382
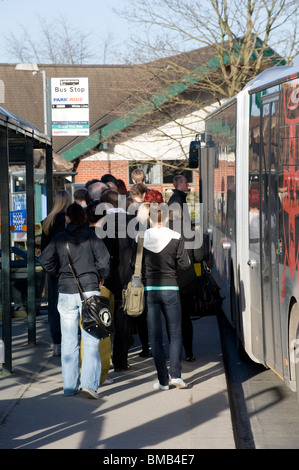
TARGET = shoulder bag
x,y
133,294
208,298
96,316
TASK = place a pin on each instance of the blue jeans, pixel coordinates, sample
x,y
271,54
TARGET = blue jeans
x,y
69,306
168,303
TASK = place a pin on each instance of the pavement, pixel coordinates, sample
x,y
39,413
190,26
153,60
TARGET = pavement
x,y
130,414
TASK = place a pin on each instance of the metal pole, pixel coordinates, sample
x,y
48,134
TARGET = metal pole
x,y
43,72
30,212
49,178
5,252
49,182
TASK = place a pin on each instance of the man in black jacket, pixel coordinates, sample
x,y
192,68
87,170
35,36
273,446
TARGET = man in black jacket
x,y
181,187
114,227
92,263
181,222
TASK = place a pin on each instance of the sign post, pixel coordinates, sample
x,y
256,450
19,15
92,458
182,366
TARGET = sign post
x,y
70,106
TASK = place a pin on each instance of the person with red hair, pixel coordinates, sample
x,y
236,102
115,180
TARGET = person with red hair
x,y
153,196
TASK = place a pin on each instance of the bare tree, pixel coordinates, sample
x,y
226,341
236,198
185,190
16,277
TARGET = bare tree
x,y
239,32
199,52
57,42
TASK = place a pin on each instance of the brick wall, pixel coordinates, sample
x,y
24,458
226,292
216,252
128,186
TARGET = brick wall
x,y
88,170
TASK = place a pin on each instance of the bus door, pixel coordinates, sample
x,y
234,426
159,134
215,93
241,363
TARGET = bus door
x,y
269,231
206,168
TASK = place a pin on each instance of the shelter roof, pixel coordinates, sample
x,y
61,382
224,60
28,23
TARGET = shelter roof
x,y
19,130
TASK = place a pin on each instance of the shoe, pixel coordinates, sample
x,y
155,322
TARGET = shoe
x,y
108,381
190,358
158,386
122,369
179,383
57,350
144,354
90,393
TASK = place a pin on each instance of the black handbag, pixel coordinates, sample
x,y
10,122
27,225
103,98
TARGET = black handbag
x,y
208,298
96,316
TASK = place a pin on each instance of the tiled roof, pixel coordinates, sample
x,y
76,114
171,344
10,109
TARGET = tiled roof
x,y
108,87
115,91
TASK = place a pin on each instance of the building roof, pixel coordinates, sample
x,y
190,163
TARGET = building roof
x,y
119,95
108,87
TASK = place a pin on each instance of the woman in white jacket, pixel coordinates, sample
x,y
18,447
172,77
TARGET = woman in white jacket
x,y
163,252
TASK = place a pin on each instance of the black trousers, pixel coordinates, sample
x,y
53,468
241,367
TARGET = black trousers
x,y
123,337
141,327
188,307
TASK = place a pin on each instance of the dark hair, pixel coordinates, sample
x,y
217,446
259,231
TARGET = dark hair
x,y
111,197
109,178
138,189
81,194
90,182
76,213
153,196
90,210
121,187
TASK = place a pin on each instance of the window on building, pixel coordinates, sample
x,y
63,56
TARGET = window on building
x,y
156,174
175,167
152,172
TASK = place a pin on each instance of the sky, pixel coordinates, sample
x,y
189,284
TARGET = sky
x,y
95,16
90,15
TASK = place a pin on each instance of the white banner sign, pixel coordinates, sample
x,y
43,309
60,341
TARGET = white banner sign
x,y
70,106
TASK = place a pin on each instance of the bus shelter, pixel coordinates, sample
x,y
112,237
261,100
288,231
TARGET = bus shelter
x,y
19,141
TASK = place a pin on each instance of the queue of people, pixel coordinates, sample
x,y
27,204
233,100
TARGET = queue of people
x,y
104,263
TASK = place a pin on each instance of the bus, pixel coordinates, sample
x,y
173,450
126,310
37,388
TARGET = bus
x,y
248,159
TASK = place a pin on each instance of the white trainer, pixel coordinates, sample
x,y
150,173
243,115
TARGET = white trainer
x,y
108,381
158,386
179,383
90,393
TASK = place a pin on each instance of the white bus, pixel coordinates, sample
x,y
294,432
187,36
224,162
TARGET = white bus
x,y
249,188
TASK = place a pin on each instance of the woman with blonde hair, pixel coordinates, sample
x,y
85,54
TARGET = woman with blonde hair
x,y
52,224
55,221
